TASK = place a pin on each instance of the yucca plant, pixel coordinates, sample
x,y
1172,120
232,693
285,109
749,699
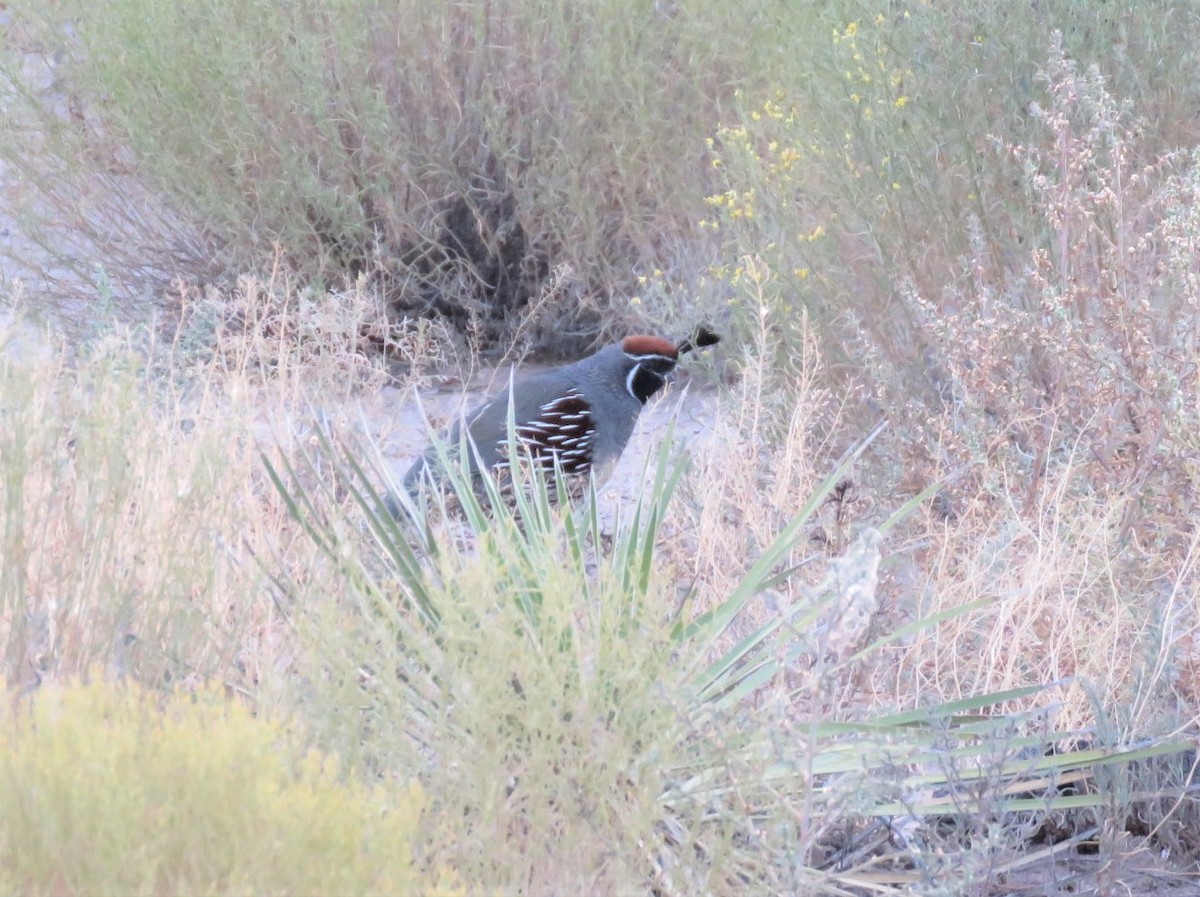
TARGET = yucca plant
x,y
576,726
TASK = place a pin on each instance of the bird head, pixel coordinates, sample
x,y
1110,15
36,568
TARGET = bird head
x,y
652,360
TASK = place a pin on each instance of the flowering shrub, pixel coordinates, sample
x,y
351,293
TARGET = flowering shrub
x,y
108,790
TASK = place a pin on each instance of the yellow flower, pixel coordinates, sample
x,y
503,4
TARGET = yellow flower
x,y
800,273
901,102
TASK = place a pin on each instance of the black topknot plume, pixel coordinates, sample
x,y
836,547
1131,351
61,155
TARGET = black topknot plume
x,y
704,336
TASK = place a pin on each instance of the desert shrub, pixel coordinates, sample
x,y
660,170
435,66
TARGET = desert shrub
x,y
1025,289
459,154
886,143
115,790
462,154
1086,349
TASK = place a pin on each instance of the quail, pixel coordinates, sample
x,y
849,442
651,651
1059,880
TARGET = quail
x,y
580,415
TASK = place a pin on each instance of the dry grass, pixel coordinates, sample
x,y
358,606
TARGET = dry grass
x,y
135,516
331,343
1066,600
770,445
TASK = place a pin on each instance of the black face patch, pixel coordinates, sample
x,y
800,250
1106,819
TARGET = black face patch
x,y
649,376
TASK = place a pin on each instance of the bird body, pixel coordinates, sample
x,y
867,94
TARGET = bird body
x,y
579,415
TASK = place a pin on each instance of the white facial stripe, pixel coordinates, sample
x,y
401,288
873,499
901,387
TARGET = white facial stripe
x,y
652,357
